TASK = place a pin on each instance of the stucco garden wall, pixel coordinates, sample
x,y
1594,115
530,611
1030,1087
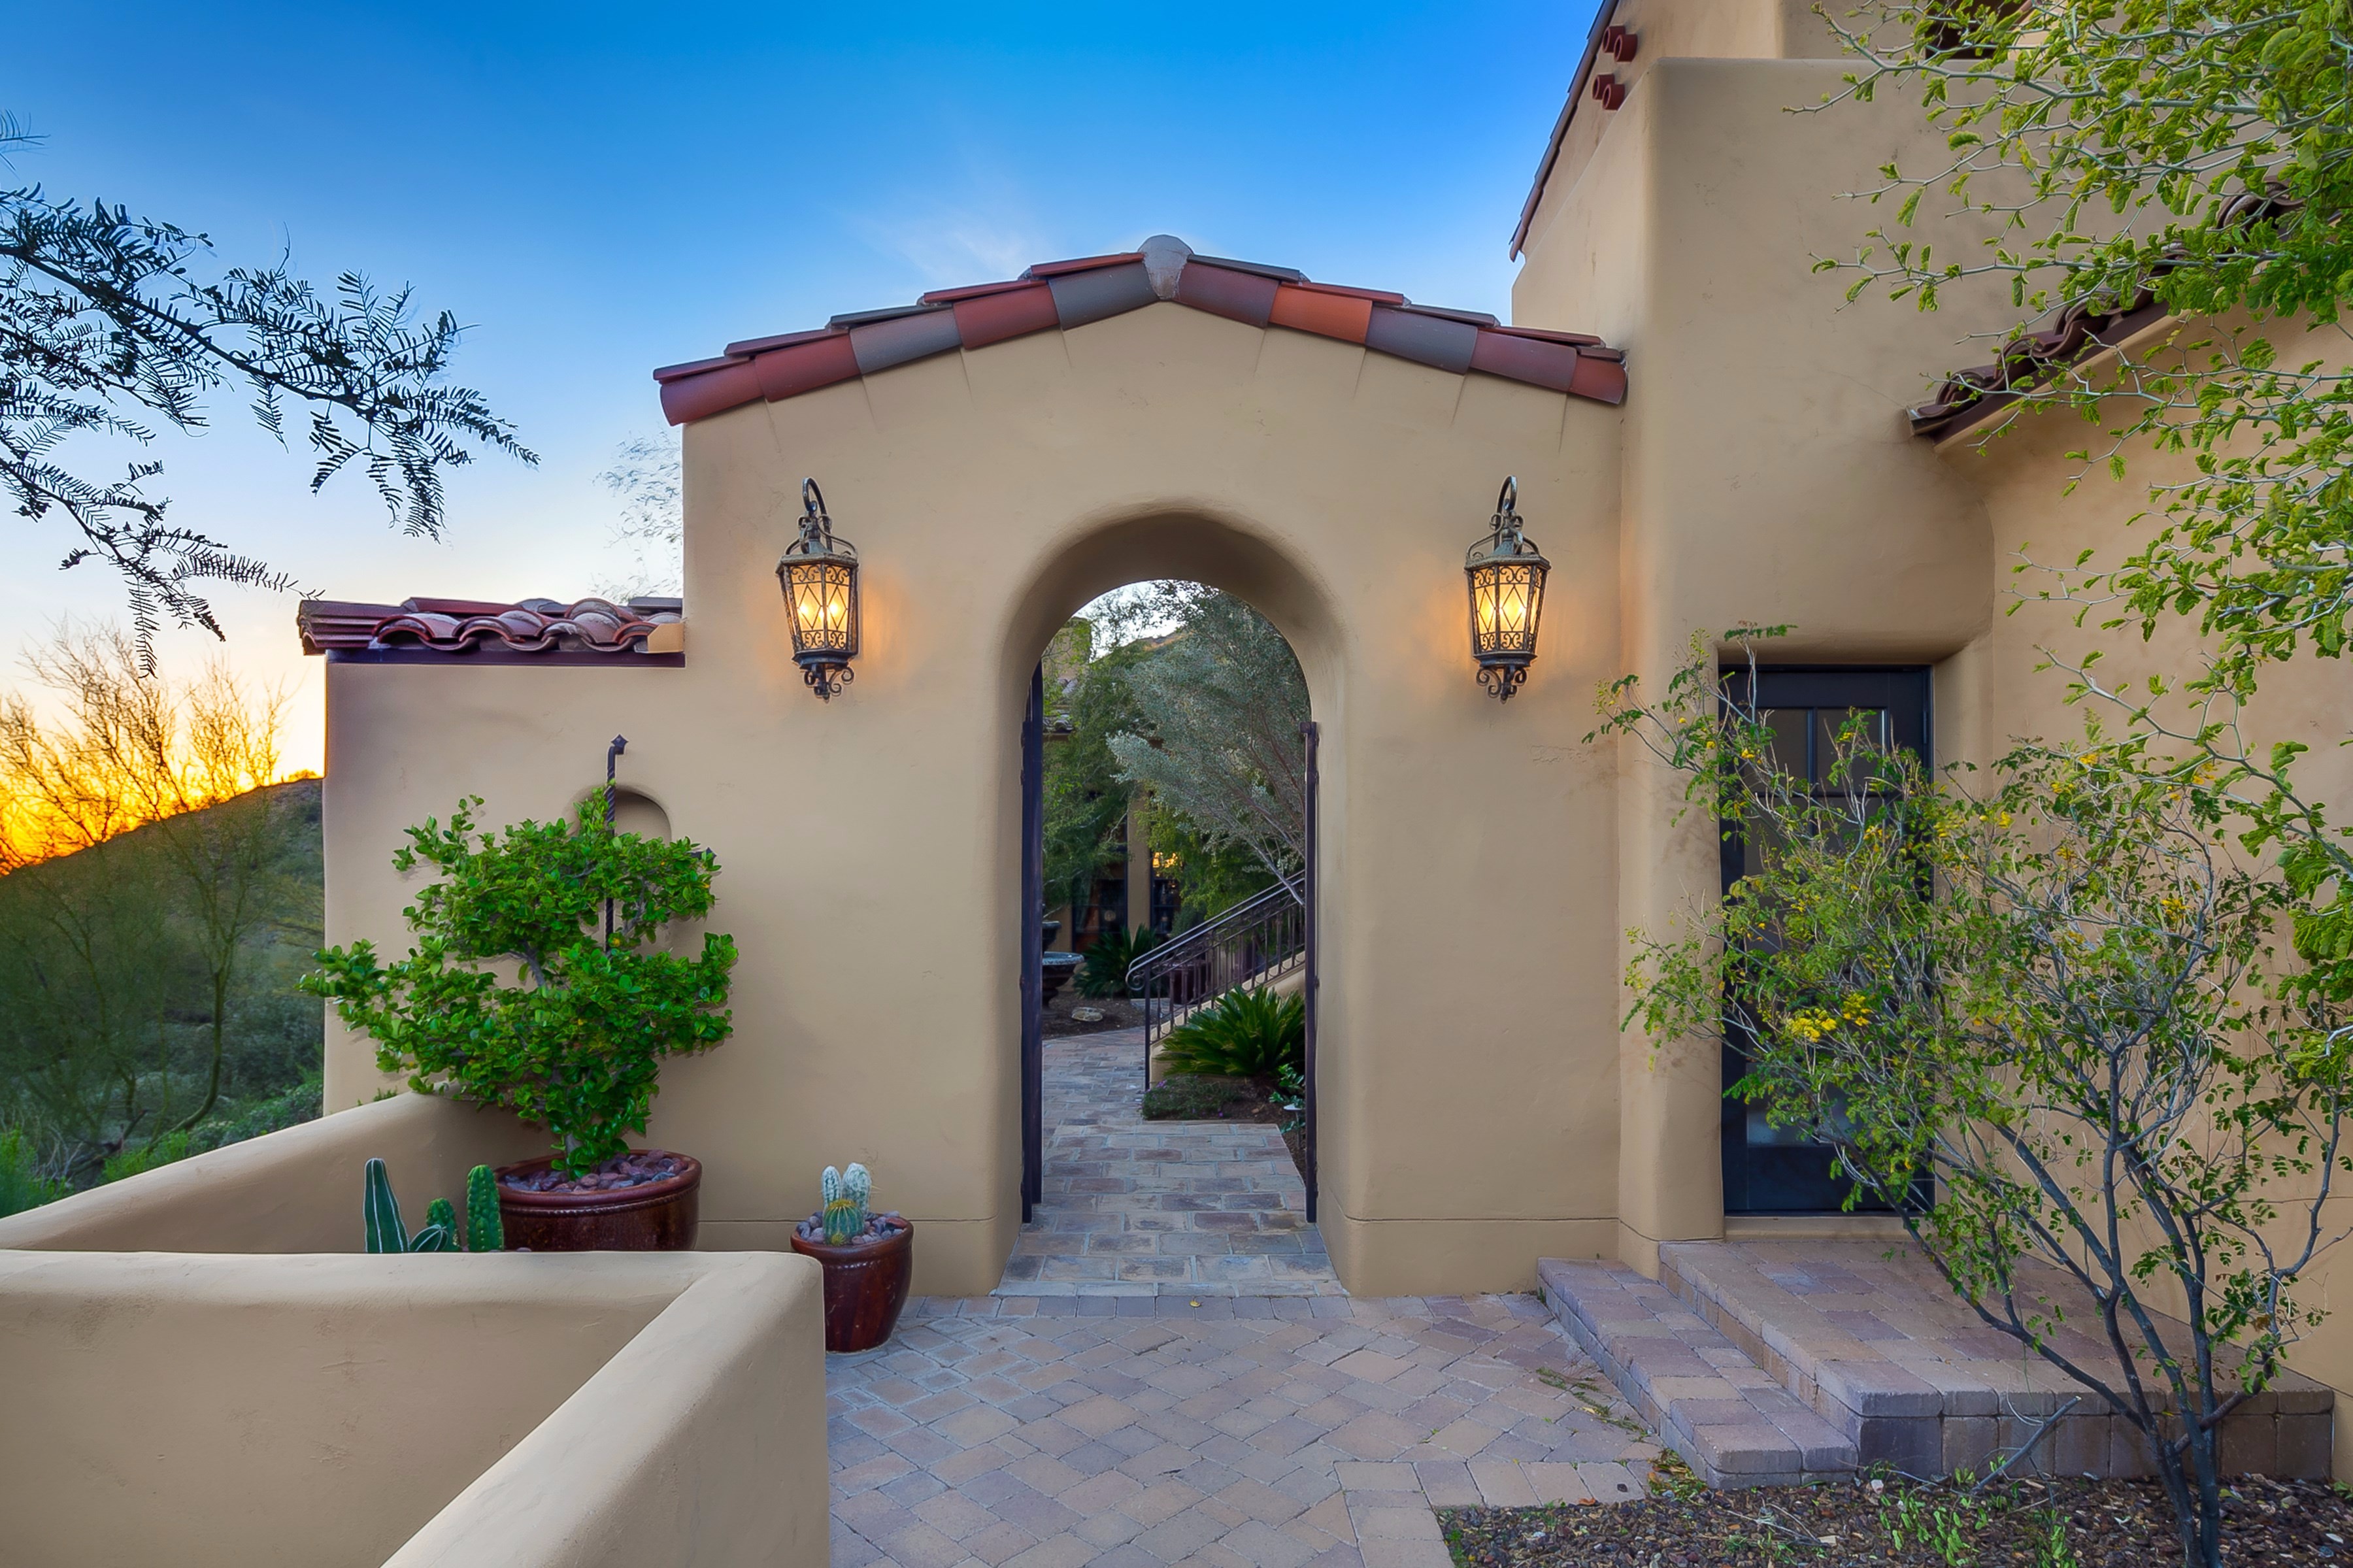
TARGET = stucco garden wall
x,y
294,1191
441,1409
869,853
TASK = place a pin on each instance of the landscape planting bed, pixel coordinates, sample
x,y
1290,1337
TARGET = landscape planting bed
x,y
1899,1524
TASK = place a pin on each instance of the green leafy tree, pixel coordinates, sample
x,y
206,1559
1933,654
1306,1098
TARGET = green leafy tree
x,y
576,1045
2062,1007
1220,704
2192,154
1086,797
112,326
161,872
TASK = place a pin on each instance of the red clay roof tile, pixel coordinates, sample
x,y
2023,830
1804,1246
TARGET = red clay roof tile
x,y
1070,294
1531,360
463,626
1426,339
1100,292
804,367
1227,291
899,340
1321,311
731,385
993,318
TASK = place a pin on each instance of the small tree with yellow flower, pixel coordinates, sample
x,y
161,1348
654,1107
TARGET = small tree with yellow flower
x,y
2064,1005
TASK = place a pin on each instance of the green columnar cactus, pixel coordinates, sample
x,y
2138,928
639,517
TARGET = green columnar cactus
x,y
845,1203
380,1213
485,1231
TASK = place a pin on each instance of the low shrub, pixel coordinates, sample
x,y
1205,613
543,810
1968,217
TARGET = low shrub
x,y
1184,1098
22,1186
1103,971
169,1149
1244,1034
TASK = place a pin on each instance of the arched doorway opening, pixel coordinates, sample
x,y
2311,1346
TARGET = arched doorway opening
x,y
1167,991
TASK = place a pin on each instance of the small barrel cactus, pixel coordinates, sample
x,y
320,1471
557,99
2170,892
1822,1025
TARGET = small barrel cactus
x,y
846,1194
485,1231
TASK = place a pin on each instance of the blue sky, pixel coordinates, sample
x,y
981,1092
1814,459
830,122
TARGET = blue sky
x,y
601,190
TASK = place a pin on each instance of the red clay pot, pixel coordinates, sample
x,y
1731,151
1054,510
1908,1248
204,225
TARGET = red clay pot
x,y
657,1217
865,1285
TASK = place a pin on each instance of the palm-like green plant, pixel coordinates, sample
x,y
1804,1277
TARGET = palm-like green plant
x,y
1103,972
1244,1034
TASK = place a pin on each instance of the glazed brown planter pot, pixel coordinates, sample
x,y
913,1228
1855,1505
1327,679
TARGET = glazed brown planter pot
x,y
657,1217
865,1285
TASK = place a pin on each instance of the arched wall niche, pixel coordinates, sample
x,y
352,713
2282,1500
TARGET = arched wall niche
x,y
633,811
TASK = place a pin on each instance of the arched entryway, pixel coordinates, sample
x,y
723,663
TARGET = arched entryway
x,y
1136,1181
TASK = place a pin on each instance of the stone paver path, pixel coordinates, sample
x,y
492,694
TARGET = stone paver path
x,y
1228,1416
1138,1207
1247,1432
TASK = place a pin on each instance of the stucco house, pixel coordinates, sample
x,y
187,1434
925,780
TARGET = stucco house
x,y
1703,434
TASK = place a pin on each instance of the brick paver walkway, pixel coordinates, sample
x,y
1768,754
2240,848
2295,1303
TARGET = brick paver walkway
x,y
1249,1432
1138,1207
1257,1428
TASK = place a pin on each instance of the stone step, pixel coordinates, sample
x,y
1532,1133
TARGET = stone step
x,y
1701,1393
1870,1337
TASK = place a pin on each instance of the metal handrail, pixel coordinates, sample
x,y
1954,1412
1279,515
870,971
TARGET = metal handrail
x,y
1261,933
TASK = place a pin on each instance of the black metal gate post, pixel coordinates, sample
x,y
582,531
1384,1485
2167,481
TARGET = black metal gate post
x,y
1309,732
1033,895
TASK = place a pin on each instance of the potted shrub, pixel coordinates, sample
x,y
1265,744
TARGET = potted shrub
x,y
573,1037
869,1261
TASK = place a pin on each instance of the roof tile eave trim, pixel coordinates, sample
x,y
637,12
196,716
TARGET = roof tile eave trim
x,y
460,627
1967,399
1066,295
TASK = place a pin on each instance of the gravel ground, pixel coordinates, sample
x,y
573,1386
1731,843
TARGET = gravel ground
x,y
1901,1524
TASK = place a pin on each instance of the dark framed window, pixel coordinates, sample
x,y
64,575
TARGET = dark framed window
x,y
1770,1169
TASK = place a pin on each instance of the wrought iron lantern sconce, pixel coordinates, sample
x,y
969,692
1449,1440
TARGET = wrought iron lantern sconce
x,y
1508,579
818,573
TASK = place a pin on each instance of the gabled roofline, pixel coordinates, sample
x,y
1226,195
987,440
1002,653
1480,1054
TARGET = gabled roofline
x,y
1601,20
1067,294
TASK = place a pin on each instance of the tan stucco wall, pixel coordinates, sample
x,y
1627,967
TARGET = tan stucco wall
x,y
1768,474
869,846
294,1191
317,1411
1990,694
